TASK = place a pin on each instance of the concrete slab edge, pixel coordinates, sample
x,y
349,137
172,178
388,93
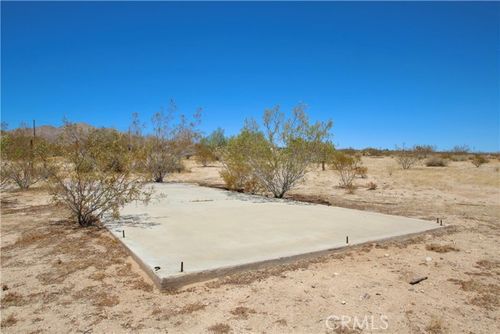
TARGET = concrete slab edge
x,y
176,282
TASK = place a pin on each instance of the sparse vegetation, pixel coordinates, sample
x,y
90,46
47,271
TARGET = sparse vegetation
x,y
372,185
219,328
8,321
347,167
407,158
22,158
169,143
436,162
242,312
441,248
478,160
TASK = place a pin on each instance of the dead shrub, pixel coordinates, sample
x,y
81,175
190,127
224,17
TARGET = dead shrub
x,y
441,248
372,186
219,328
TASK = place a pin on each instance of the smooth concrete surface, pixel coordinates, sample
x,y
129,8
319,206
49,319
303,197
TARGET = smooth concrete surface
x,y
208,229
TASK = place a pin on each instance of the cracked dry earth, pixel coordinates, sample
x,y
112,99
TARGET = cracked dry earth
x,y
58,278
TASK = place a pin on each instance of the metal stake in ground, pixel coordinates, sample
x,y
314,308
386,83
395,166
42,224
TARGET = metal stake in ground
x,y
123,233
347,239
182,266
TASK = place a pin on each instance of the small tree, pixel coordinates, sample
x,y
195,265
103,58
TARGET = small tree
x,y
324,154
477,160
347,167
407,158
95,179
22,158
278,157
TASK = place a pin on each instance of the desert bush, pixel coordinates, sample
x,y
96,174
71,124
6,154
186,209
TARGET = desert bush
x,y
278,156
204,153
169,143
361,171
347,167
95,179
216,141
372,152
436,162
210,148
22,159
324,153
460,149
407,158
423,151
372,185
477,160
237,171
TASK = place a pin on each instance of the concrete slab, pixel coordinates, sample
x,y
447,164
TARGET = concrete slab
x,y
215,232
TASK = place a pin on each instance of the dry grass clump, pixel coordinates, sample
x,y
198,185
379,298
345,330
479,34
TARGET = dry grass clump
x,y
96,297
98,276
281,322
190,308
441,248
372,185
435,326
13,299
219,328
436,162
185,310
139,284
242,312
487,264
9,321
486,296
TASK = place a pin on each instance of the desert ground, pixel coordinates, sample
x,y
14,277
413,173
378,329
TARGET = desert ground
x,y
59,278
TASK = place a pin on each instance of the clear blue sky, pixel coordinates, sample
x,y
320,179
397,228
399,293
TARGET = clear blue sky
x,y
386,73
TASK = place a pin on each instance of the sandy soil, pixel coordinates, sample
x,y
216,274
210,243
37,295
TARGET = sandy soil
x,y
58,278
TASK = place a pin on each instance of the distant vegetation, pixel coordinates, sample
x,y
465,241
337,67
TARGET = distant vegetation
x,y
94,172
